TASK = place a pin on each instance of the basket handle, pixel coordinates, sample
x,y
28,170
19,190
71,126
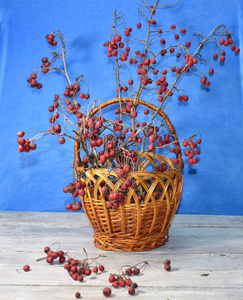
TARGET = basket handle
x,y
77,158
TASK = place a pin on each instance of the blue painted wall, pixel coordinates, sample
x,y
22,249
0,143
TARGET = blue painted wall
x,y
34,181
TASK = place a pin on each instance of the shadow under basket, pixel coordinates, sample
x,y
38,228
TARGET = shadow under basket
x,y
135,225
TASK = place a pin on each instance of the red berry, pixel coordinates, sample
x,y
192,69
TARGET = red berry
x,y
162,41
46,249
50,36
130,82
77,295
188,43
203,80
51,108
33,83
215,56
128,282
44,59
127,168
135,271
39,86
115,284
20,134
107,292
26,268
131,290
122,283
33,75
127,32
117,37
102,268
134,114
139,25
88,272
222,58
183,30
221,41
211,71
111,278
49,259
62,259
237,50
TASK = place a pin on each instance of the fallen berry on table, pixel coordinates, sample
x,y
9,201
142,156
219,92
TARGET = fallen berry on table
x,y
131,290
102,268
77,295
107,292
26,268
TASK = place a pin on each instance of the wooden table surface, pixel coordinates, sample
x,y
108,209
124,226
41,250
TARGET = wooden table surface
x,y
206,254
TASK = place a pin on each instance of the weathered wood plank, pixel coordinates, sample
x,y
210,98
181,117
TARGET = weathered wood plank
x,y
187,240
67,292
78,218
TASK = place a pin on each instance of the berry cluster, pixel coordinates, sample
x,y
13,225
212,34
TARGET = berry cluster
x,y
78,268
52,255
32,80
76,188
193,150
25,145
122,279
112,48
51,39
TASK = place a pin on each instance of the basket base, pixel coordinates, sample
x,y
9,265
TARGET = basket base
x,y
131,244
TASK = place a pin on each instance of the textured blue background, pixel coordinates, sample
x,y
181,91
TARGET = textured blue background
x,y
34,181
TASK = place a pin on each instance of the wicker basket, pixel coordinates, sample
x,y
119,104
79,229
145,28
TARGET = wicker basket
x,y
133,226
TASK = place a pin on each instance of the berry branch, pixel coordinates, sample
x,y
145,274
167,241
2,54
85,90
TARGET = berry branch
x,y
120,144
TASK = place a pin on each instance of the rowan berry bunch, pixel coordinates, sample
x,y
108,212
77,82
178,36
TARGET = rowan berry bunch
x,y
119,144
78,268
122,278
52,255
